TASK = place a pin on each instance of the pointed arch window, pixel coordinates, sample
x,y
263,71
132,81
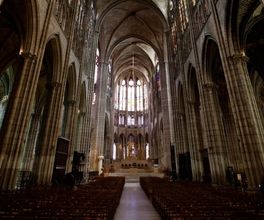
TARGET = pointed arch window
x,y
139,95
131,95
96,74
131,100
122,97
114,151
183,14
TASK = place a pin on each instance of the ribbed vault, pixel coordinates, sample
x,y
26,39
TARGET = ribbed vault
x,y
131,35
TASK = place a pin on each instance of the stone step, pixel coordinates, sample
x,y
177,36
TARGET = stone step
x,y
134,177
134,170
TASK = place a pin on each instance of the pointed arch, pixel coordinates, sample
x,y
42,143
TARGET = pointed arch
x,y
53,52
72,82
83,99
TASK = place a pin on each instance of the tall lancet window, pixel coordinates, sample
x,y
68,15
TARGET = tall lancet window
x,y
139,95
122,96
183,14
131,95
131,100
145,97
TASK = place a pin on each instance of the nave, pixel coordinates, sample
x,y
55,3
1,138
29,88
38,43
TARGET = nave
x,y
169,86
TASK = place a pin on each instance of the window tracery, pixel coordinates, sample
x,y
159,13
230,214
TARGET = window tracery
x,y
131,101
183,14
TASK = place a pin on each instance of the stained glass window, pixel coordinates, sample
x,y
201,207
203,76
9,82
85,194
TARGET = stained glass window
x,y
183,14
131,100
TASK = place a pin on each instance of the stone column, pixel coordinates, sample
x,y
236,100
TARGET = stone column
x,y
88,68
234,158
97,146
31,142
107,147
82,129
82,145
71,115
178,138
12,138
112,122
71,107
244,108
44,160
181,145
215,133
248,120
118,154
195,141
86,142
167,135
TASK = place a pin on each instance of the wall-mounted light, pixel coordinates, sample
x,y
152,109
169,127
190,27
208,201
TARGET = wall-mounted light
x,y
21,51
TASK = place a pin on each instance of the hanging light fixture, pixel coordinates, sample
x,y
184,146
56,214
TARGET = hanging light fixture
x,y
131,78
133,65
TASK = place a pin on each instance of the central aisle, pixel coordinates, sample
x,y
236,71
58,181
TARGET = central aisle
x,y
135,205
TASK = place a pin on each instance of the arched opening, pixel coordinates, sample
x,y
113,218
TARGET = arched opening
x,y
107,143
39,112
10,43
254,49
79,129
6,86
223,137
42,112
201,165
68,103
132,46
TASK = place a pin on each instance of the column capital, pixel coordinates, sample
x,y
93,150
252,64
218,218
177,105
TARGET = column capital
x,y
239,57
28,55
101,157
209,86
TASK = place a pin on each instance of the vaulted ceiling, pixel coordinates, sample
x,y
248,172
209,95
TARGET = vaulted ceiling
x,y
132,34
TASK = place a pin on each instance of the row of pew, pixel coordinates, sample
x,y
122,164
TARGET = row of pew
x,y
197,201
97,200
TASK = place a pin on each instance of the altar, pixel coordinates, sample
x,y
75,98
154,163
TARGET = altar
x,y
133,163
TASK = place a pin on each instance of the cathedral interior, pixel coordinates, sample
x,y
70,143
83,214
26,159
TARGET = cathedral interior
x,y
166,91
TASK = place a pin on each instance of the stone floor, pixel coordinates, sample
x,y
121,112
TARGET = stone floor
x,y
134,205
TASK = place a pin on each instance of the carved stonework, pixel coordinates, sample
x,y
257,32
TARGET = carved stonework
x,y
28,56
241,57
